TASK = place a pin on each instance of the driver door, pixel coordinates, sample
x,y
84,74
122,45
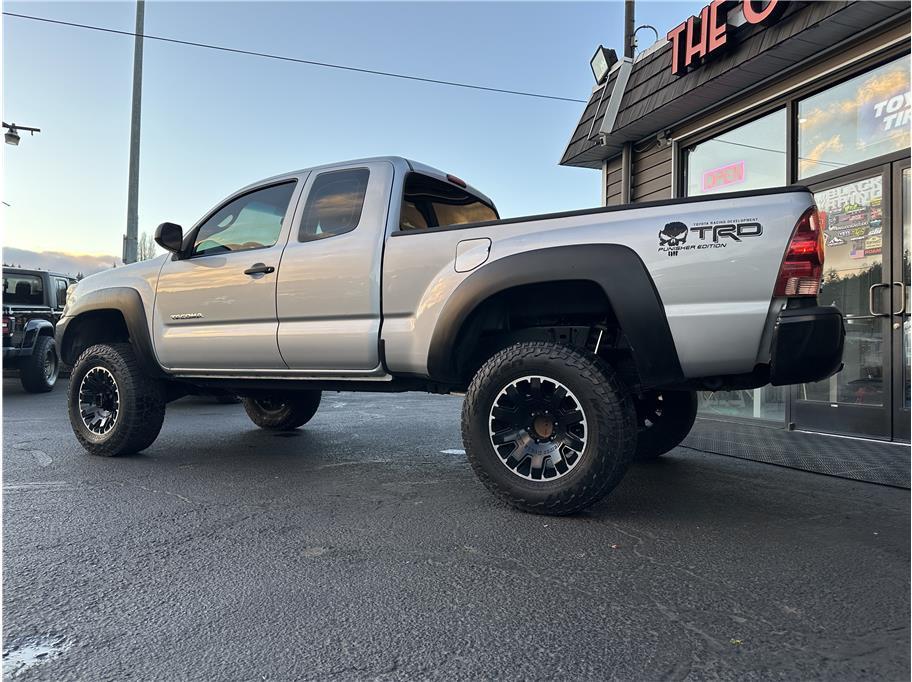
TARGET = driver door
x,y
215,307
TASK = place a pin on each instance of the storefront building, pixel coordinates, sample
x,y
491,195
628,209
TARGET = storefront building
x,y
762,94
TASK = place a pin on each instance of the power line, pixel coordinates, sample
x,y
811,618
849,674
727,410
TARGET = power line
x,y
310,62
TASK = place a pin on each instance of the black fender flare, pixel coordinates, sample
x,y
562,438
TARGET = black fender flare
x,y
617,269
34,329
128,303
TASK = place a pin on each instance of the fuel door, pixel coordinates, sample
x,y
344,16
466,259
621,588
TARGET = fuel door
x,y
470,253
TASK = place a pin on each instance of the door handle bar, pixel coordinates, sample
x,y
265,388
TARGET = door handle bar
x,y
902,298
871,300
259,269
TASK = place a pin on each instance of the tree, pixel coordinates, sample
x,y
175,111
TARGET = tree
x,y
145,247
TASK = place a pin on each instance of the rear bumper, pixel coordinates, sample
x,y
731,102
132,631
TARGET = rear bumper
x,y
807,345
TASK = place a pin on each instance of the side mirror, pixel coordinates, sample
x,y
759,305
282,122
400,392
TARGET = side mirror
x,y
170,237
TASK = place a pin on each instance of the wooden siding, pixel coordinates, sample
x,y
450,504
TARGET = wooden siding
x,y
613,181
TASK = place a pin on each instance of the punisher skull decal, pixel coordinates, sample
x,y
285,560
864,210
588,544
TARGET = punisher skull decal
x,y
674,234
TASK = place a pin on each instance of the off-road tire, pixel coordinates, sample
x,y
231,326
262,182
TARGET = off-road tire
x,y
605,402
32,372
285,413
141,404
665,418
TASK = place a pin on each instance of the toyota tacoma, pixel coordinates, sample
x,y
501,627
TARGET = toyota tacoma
x,y
579,339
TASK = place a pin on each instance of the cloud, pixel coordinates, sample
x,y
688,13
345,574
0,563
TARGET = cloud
x,y
58,261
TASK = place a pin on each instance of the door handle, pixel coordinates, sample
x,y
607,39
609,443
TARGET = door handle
x,y
259,269
902,298
871,300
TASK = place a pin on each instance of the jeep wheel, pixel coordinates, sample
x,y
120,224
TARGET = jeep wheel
x,y
665,418
548,428
114,408
38,372
283,413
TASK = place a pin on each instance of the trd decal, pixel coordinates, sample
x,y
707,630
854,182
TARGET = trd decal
x,y
707,235
674,234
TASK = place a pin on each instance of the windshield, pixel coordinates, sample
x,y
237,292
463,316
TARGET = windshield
x,y
22,289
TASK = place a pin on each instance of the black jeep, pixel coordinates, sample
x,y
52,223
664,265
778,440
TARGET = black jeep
x,y
32,303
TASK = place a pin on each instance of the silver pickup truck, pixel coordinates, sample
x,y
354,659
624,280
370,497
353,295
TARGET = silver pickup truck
x,y
579,339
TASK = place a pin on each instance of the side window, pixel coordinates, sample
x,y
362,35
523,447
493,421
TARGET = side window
x,y
334,204
22,289
252,221
428,202
61,285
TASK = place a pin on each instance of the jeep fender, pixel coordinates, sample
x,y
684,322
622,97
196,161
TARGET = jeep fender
x,y
34,329
128,303
616,269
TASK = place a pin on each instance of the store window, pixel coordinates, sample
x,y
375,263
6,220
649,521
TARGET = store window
x,y
860,119
751,156
766,403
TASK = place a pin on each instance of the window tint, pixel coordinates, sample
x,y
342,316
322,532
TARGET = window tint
x,y
428,202
22,289
334,204
859,119
62,285
249,222
751,156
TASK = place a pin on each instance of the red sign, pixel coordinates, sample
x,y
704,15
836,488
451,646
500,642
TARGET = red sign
x,y
698,37
732,174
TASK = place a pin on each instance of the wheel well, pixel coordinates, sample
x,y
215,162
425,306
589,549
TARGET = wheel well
x,y
574,312
97,326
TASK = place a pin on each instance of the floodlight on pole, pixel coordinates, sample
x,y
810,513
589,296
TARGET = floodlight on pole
x,y
12,132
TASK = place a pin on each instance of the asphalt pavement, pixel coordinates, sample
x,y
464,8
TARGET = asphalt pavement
x,y
362,547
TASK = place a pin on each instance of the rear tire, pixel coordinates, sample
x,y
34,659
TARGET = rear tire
x,y
115,409
665,418
283,413
548,428
39,371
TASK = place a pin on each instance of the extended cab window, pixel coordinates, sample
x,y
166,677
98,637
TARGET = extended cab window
x,y
428,202
22,290
334,204
249,222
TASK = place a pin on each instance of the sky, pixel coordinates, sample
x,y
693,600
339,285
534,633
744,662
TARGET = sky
x,y
213,122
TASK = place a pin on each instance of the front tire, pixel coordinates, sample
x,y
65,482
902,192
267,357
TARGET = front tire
x,y
665,418
114,408
284,413
548,428
38,372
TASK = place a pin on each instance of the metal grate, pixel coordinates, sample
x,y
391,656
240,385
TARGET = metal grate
x,y
857,459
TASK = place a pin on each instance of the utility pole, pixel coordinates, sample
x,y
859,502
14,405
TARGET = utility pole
x,y
629,32
130,238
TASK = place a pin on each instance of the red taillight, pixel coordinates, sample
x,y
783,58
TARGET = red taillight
x,y
7,327
802,267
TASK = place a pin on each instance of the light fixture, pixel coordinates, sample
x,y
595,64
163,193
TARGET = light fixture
x,y
12,132
601,63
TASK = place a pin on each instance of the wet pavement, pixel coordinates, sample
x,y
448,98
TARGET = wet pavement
x,y
362,547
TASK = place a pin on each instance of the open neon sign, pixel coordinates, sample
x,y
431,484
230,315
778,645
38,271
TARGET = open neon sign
x,y
723,176
700,36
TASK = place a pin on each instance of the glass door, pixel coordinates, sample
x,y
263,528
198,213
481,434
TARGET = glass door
x,y
854,211
901,328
